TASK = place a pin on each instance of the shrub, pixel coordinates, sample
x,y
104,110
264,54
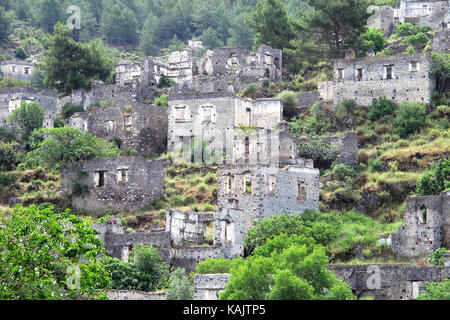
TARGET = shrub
x,y
417,38
381,108
433,183
180,288
410,118
8,157
343,172
218,266
372,39
318,149
249,90
208,208
6,135
165,82
8,82
409,29
69,109
59,123
344,109
162,101
27,117
290,102
410,50
437,257
375,165
6,180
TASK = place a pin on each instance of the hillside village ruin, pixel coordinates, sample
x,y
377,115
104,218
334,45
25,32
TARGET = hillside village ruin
x,y
264,174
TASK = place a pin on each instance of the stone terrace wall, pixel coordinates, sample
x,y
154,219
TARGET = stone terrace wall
x,y
398,282
189,257
135,295
208,286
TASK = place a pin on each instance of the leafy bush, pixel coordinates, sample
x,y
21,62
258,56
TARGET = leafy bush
x,y
249,90
409,29
436,291
433,183
162,101
70,146
28,117
165,82
59,123
417,38
381,108
69,109
343,172
180,288
290,102
440,68
372,39
410,118
6,180
8,157
8,82
320,150
6,135
218,266
375,165
437,257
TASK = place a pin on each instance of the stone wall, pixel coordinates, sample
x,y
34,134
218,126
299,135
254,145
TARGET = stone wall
x,y
124,183
348,148
399,78
441,42
10,99
208,286
189,257
433,14
261,191
398,282
187,227
133,295
215,117
17,69
426,226
226,69
137,125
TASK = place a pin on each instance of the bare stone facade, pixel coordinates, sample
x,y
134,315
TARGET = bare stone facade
x,y
216,117
434,14
209,286
187,227
263,191
123,183
11,99
399,78
348,146
137,126
17,69
426,226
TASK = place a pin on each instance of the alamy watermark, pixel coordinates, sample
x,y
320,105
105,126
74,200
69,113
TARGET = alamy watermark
x,y
74,19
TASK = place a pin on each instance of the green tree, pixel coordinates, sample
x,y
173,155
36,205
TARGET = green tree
x,y
5,24
436,291
440,68
180,288
410,118
286,267
433,183
175,44
66,146
50,12
28,117
148,38
331,26
271,24
319,149
210,39
71,65
241,35
290,102
119,23
41,248
372,39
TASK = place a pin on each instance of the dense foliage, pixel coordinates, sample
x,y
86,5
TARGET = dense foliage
x,y
40,251
66,146
28,117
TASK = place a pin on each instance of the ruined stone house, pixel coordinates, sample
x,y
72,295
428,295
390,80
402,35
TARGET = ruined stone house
x,y
262,191
129,183
426,226
17,69
216,117
402,78
137,126
12,98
